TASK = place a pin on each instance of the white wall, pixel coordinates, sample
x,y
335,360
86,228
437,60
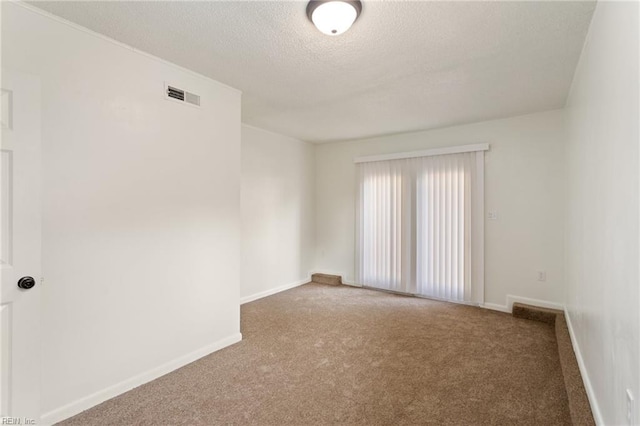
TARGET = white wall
x,y
524,182
602,215
141,242
278,215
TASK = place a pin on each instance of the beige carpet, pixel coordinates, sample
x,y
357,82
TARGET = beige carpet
x,y
576,394
322,354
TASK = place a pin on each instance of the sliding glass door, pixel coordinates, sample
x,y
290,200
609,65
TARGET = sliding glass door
x,y
385,226
420,226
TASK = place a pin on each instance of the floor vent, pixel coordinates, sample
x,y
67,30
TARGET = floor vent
x,y
181,95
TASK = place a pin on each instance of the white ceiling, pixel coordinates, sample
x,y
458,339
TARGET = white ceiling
x,y
403,66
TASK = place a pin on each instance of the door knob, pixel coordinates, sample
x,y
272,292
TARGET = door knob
x,y
26,283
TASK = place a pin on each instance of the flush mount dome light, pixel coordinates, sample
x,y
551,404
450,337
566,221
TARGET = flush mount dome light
x,y
333,17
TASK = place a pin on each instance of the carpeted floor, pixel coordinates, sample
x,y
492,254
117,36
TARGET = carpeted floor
x,y
334,354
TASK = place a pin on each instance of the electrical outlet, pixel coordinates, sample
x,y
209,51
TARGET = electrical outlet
x,y
542,275
630,408
492,215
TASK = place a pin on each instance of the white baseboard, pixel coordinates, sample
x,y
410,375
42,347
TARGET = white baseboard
x,y
495,307
272,291
595,409
96,398
534,302
508,308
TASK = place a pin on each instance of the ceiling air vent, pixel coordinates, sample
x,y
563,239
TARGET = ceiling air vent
x,y
180,95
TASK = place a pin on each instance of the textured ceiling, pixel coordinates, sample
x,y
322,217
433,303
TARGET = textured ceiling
x,y
403,66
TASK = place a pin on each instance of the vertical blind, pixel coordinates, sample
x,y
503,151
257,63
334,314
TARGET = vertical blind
x,y
420,226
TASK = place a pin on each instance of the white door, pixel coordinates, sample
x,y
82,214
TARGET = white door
x,y
20,250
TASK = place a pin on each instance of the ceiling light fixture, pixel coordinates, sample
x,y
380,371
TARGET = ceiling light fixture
x,y
333,17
